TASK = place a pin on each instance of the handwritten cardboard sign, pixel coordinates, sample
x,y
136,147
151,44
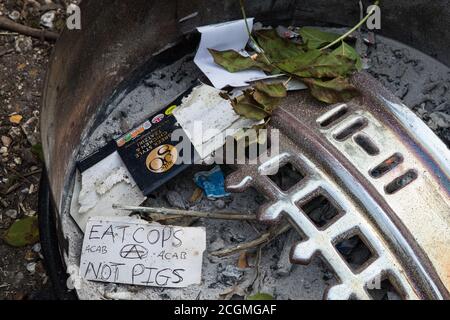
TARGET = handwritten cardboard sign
x,y
139,253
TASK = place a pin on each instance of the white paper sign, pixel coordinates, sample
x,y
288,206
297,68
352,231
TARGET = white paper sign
x,y
139,253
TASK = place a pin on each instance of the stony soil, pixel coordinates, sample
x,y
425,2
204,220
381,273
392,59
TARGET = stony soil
x,y
23,63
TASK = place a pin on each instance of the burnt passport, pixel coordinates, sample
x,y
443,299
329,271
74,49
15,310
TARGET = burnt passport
x,y
149,153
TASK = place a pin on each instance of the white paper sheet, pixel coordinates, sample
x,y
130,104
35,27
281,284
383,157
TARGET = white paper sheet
x,y
97,188
207,119
136,252
225,36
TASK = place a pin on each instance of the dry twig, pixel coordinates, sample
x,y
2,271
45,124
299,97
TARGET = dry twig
x,y
159,213
5,52
273,233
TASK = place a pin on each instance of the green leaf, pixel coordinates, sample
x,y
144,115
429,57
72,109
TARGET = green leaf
x,y
270,68
349,52
300,61
331,91
327,66
245,106
232,61
261,296
275,90
314,38
23,232
267,102
275,47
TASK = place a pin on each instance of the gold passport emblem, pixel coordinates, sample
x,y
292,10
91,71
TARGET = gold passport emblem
x,y
162,158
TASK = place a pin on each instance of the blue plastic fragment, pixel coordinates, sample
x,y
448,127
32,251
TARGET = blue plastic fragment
x,y
212,182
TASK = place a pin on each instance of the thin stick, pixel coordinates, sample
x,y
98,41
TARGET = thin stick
x,y
21,176
244,15
162,217
265,237
32,173
12,188
187,213
257,265
10,25
345,35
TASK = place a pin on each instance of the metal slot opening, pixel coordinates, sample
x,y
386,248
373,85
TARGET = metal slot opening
x,y
355,252
382,288
351,129
287,176
386,166
331,116
366,144
321,211
401,182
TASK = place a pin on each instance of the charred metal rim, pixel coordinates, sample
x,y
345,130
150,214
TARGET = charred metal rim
x,y
54,265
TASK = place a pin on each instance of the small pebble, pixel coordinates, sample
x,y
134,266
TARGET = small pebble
x,y
30,255
23,44
15,132
14,15
19,277
217,244
441,119
230,275
220,204
30,213
37,247
12,213
31,267
47,19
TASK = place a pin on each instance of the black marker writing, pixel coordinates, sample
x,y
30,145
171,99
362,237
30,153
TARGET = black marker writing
x,y
134,235
133,251
94,231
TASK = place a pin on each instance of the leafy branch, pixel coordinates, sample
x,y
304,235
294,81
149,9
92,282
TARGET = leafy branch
x,y
317,62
